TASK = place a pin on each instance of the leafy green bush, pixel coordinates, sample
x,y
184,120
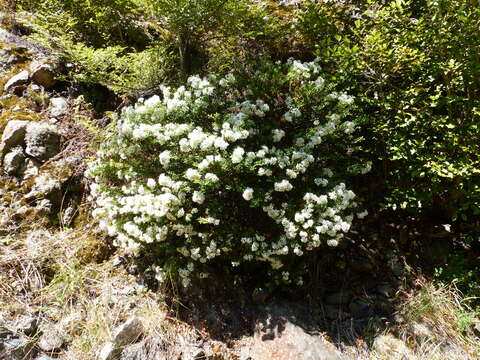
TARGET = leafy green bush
x,y
415,69
98,23
247,167
193,25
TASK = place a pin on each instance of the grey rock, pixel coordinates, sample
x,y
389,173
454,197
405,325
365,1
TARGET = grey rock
x,y
476,328
44,357
35,88
339,298
8,59
42,73
109,351
44,207
27,325
31,169
46,186
42,141
389,347
14,134
15,349
51,340
14,161
59,106
421,332
149,348
288,341
129,332
192,353
20,79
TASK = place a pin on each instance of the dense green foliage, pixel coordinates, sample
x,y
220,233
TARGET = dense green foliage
x,y
423,76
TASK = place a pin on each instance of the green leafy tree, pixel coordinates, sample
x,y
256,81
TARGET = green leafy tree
x,y
189,22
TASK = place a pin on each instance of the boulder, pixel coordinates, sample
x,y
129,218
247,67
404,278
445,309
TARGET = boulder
x,y
31,169
389,347
51,340
20,79
14,134
42,141
59,106
42,73
49,183
27,325
129,332
15,349
292,343
14,161
8,58
150,348
289,332
109,351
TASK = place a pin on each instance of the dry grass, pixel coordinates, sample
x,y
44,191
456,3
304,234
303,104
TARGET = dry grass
x,y
435,326
40,273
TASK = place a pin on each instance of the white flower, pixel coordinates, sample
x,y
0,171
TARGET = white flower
x,y
278,134
332,242
248,194
362,214
283,185
346,99
151,183
291,173
192,174
237,155
319,83
220,144
198,197
164,158
154,100
211,177
349,127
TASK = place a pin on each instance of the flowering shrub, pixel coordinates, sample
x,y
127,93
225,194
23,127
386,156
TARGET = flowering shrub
x,y
246,167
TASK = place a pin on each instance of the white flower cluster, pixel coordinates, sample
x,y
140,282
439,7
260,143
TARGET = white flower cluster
x,y
197,186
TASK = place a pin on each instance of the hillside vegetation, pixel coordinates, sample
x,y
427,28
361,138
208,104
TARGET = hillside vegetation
x,y
239,179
